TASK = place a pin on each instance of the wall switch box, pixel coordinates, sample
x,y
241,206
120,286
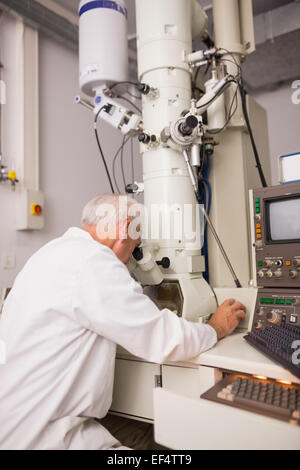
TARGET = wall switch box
x,y
30,210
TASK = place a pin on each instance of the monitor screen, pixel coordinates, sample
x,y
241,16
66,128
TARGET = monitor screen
x,y
284,220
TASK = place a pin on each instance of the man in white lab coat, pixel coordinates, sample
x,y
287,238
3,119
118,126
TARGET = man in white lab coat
x,y
70,305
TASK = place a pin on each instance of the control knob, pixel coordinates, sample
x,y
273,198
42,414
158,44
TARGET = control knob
x,y
293,274
260,274
261,312
268,263
269,274
278,263
296,263
258,325
278,273
273,317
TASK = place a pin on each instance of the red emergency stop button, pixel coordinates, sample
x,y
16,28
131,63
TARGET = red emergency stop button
x,y
36,209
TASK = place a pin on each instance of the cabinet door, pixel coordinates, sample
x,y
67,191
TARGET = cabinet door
x,y
133,388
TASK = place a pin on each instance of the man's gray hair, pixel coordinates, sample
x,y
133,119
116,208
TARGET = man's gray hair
x,y
112,207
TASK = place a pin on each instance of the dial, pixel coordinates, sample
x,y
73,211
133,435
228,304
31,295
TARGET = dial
x,y
258,325
293,274
261,312
268,263
260,274
273,317
278,273
296,263
269,274
278,263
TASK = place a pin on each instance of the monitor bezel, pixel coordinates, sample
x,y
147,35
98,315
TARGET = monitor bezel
x,y
267,202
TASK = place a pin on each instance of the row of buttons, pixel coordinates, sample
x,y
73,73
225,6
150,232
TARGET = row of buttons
x,y
258,226
275,318
280,301
278,263
258,231
257,205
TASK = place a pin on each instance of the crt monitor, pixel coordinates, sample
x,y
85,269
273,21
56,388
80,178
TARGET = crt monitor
x,y
276,229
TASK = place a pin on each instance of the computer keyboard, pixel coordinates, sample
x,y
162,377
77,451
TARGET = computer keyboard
x,y
267,397
279,343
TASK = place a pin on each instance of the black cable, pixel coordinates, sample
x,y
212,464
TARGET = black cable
x,y
239,81
219,92
233,58
114,162
130,102
100,148
122,163
247,120
124,83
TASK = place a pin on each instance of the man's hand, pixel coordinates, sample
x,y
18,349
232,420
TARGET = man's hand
x,y
227,317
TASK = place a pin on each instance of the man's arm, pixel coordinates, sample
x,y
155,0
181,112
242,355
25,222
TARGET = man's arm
x,y
109,302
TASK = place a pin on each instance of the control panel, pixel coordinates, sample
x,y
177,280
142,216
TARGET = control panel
x,y
276,307
277,235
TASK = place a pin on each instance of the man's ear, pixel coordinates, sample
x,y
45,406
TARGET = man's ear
x,y
123,228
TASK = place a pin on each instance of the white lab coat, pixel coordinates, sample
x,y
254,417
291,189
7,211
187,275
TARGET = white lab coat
x,y
70,305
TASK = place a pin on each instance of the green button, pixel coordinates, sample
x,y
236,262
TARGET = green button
x,y
257,210
278,301
282,302
267,301
289,302
257,199
260,264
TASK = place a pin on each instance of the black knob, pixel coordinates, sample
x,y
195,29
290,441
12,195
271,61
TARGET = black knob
x,y
138,254
186,128
164,263
131,188
144,138
153,138
192,121
144,88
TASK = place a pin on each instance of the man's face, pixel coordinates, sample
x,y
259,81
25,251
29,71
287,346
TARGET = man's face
x,y
124,246
119,240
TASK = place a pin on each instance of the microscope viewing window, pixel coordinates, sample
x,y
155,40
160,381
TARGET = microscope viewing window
x,y
283,220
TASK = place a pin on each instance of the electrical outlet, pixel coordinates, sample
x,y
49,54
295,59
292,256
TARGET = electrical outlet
x,y
8,261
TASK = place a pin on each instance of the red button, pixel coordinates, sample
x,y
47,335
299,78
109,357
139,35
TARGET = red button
x,y
38,209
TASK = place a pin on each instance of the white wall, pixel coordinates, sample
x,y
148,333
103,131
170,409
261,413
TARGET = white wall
x,y
71,171
284,122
